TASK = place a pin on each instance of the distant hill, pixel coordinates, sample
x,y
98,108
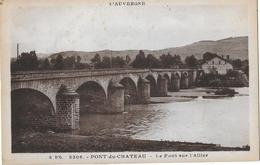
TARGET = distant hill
x,y
236,47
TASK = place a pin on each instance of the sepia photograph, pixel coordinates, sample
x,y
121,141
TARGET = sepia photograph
x,y
130,76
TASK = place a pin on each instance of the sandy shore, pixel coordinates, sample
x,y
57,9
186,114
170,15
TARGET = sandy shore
x,y
59,142
187,95
184,95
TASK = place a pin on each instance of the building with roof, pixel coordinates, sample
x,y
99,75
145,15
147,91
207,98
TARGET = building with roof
x,y
217,65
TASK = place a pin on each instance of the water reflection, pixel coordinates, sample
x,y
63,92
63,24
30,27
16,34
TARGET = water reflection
x,y
222,121
136,119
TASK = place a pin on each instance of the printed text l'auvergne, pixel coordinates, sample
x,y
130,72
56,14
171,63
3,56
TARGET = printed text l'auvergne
x,y
132,3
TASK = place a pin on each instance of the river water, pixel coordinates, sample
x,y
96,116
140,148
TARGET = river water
x,y
223,121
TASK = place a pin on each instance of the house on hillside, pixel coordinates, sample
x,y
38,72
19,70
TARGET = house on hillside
x,y
217,65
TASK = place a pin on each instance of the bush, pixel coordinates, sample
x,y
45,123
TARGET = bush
x,y
214,80
216,83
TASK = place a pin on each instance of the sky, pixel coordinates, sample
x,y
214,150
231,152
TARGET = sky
x,y
100,27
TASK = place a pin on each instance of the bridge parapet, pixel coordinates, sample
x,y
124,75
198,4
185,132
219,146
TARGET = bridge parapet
x,y
172,70
38,75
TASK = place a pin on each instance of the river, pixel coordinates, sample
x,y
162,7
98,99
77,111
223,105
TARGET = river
x,y
223,121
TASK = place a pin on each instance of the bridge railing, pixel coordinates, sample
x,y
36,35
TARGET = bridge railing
x,y
37,75
70,70
54,74
171,70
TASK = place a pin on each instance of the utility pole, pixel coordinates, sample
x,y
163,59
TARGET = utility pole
x,y
111,65
17,51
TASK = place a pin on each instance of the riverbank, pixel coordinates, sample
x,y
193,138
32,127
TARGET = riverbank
x,y
188,95
183,95
59,142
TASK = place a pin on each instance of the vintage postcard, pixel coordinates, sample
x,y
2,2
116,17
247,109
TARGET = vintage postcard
x,y
107,81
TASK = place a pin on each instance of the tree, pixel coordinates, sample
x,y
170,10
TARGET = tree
x,y
96,59
14,66
26,62
34,60
53,61
69,63
106,63
163,61
245,67
118,62
176,60
81,66
78,59
152,62
127,59
59,63
46,64
246,70
231,73
140,61
169,61
208,55
237,63
191,61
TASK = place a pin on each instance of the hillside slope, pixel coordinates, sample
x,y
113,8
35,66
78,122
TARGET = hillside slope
x,y
236,47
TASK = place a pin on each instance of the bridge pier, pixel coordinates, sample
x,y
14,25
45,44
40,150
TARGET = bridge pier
x,y
144,92
176,83
162,88
67,115
115,99
195,76
184,84
190,77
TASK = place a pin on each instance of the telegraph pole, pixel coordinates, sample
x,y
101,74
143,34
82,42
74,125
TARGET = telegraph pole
x,y
17,51
111,65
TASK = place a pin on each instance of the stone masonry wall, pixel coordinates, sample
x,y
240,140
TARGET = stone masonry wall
x,y
66,117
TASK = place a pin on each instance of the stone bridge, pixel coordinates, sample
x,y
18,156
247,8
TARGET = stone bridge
x,y
99,91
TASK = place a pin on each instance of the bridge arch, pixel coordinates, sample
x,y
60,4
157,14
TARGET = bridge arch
x,y
30,108
134,78
130,90
47,89
176,75
92,97
103,83
184,73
